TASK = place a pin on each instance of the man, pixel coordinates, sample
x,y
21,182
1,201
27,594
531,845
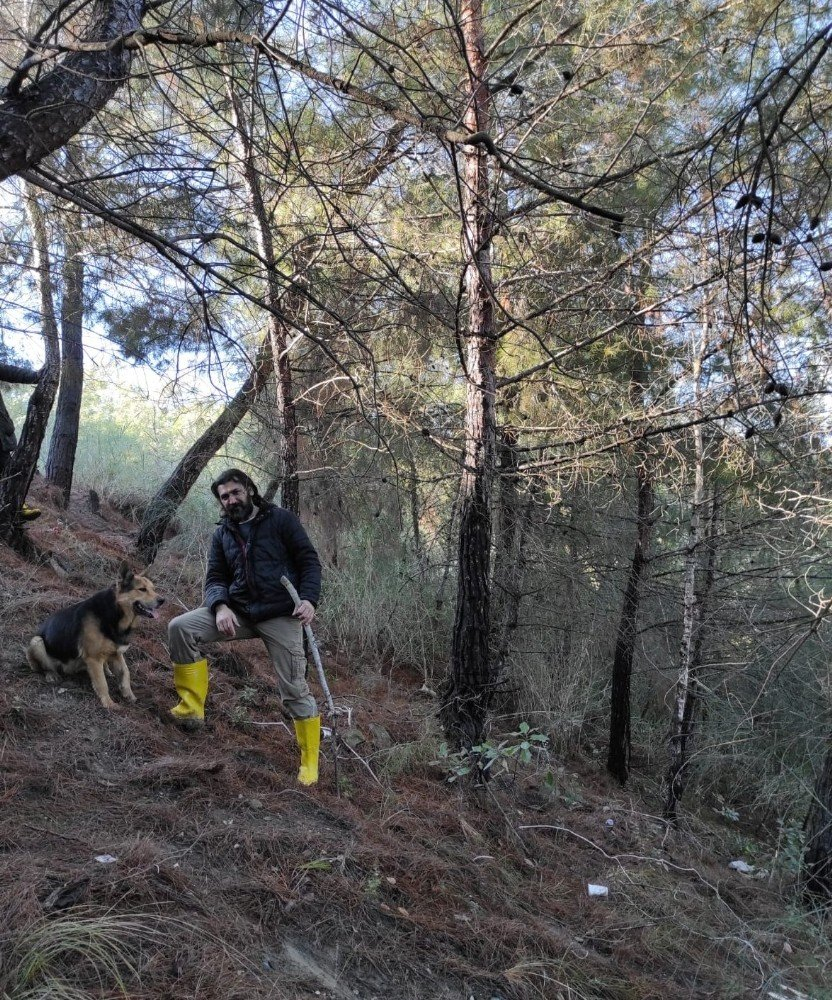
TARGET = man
x,y
255,544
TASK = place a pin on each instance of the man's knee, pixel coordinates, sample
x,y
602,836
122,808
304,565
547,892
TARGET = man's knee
x,y
175,626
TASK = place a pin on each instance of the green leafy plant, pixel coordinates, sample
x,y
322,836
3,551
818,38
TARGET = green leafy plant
x,y
515,749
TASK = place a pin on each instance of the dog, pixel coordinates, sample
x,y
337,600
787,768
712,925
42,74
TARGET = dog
x,y
94,634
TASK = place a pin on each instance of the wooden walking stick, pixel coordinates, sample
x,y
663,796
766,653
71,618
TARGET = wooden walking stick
x,y
316,656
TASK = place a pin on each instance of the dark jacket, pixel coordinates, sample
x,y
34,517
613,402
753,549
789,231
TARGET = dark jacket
x,y
246,576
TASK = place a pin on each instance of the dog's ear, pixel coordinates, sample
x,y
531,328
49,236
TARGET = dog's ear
x,y
125,577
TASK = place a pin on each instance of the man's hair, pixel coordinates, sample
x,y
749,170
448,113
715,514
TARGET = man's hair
x,y
236,476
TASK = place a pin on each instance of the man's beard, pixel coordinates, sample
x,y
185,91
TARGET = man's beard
x,y
241,512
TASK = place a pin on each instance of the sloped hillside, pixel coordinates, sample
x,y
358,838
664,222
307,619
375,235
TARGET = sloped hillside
x,y
138,860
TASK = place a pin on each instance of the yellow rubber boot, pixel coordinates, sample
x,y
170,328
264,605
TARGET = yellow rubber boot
x,y
191,683
308,732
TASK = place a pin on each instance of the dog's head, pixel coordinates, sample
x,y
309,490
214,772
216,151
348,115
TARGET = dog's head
x,y
137,593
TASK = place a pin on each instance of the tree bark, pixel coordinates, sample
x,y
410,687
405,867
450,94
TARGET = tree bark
x,y
702,600
39,117
510,553
60,462
164,505
466,697
817,855
618,756
618,753
20,467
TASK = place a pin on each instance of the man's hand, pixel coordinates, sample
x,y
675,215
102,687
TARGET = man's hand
x,y
227,621
305,611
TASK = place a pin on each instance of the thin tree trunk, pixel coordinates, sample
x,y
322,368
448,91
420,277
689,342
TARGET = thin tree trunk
x,y
817,855
60,462
451,542
287,458
685,683
510,553
618,757
21,466
466,696
413,498
702,600
164,505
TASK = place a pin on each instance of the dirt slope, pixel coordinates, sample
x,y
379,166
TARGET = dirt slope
x,y
232,881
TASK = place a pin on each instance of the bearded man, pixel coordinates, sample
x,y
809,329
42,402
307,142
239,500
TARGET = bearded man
x,y
255,544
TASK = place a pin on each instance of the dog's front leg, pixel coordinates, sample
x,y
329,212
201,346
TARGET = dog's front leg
x,y
119,667
95,668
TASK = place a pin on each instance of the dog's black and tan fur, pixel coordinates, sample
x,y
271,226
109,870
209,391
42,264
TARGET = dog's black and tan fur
x,y
93,635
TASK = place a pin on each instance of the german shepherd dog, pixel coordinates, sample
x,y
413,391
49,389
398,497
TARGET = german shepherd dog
x,y
94,634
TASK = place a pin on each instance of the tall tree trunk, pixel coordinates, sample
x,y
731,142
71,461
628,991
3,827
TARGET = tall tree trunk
x,y
38,117
817,855
60,462
618,756
164,505
21,465
467,694
279,333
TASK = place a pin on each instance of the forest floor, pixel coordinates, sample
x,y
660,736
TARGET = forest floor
x,y
142,861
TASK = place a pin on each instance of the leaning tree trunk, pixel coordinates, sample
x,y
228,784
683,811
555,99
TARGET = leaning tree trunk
x,y
817,855
164,505
21,466
60,462
618,756
466,696
287,458
40,116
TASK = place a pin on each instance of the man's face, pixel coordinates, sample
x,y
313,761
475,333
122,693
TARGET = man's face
x,y
236,500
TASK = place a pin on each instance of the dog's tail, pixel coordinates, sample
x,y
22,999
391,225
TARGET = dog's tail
x,y
36,655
